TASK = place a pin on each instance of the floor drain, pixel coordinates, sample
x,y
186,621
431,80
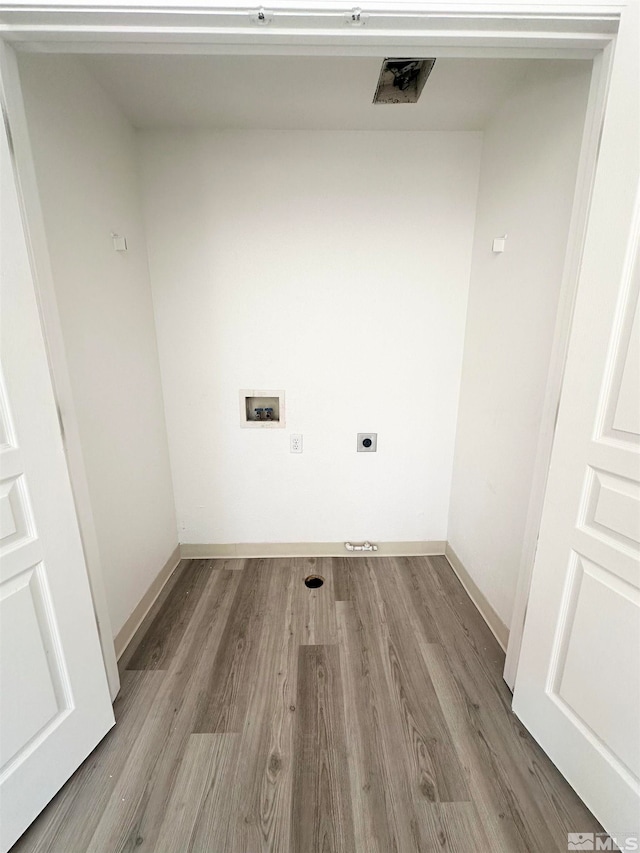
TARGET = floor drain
x,y
313,581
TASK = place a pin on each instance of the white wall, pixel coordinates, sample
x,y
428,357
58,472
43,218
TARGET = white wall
x,y
85,159
527,180
334,266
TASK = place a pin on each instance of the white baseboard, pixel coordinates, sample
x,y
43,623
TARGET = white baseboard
x,y
496,625
309,549
125,634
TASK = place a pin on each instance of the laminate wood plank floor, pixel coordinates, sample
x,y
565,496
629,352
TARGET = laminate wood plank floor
x,y
367,716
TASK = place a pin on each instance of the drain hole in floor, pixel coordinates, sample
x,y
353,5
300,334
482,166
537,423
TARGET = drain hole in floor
x,y
313,581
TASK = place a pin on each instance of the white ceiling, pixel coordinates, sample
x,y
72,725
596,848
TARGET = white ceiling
x,y
284,92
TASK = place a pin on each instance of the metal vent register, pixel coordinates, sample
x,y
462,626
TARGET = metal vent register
x,y
402,80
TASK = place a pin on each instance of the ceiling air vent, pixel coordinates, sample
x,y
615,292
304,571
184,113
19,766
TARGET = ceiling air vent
x,y
401,80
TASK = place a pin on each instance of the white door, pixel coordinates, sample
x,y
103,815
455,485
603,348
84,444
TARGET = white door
x,y
578,681
54,699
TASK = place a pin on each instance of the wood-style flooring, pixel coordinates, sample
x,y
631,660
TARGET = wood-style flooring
x,y
258,715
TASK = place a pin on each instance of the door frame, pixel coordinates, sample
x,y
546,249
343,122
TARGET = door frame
x,y
474,29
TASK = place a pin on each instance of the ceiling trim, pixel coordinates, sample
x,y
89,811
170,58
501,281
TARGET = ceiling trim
x,y
314,27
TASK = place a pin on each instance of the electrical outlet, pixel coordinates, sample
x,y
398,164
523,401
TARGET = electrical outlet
x,y
367,442
295,443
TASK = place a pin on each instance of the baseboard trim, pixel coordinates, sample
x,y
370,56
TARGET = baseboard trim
x,y
126,633
309,549
496,625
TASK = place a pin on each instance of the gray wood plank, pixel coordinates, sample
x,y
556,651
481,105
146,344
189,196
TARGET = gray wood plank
x,y
454,827
143,628
321,809
536,797
315,607
383,809
513,807
224,702
437,773
493,802
230,565
435,590
134,813
199,794
260,790
346,571
163,636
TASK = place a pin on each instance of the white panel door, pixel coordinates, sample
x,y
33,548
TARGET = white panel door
x,y
578,681
54,699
